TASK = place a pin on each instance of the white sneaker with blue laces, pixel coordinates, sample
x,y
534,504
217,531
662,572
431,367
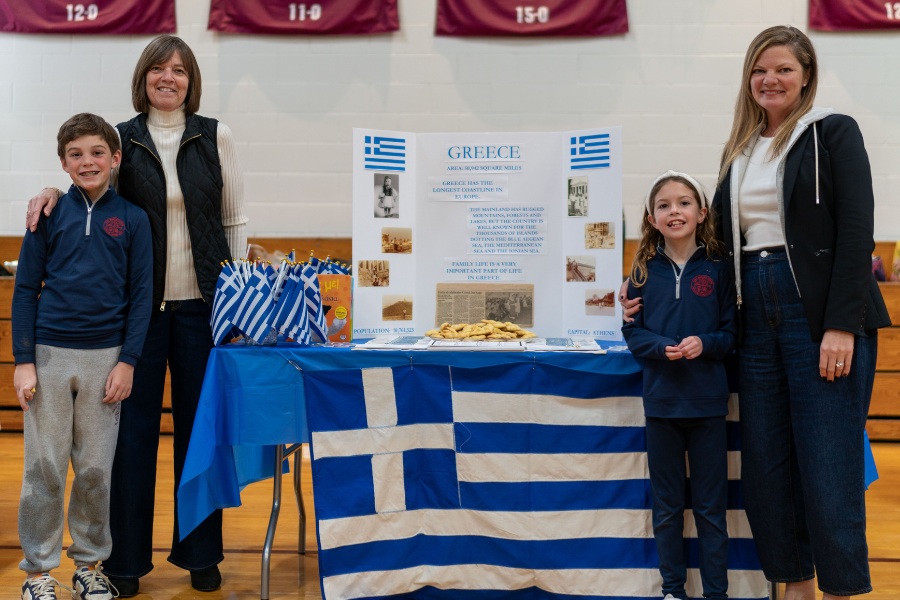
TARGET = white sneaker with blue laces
x,y
91,584
40,588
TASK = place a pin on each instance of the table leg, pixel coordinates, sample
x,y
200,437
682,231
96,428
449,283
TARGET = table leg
x,y
298,464
273,522
281,453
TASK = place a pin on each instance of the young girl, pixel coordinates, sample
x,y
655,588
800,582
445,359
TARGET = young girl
x,y
387,197
684,330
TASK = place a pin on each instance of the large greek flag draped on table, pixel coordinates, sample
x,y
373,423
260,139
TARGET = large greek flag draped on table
x,y
524,481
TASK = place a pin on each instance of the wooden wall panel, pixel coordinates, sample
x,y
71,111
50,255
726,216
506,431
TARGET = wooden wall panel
x,y
889,349
886,395
6,355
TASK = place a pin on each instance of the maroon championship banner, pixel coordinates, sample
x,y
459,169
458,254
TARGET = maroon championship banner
x,y
853,15
98,16
334,17
531,17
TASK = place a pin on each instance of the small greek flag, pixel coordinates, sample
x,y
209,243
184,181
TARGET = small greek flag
x,y
228,289
385,153
310,278
290,318
589,151
255,305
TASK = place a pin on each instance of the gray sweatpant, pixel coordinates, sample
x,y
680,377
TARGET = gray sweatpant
x,y
67,419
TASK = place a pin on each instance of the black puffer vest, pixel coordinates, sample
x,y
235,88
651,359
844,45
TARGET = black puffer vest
x,y
143,182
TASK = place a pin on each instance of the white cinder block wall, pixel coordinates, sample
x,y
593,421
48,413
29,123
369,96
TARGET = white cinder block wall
x,y
292,102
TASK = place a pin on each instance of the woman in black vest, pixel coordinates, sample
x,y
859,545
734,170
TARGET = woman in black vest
x,y
182,169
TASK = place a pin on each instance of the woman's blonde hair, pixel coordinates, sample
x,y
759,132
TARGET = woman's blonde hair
x,y
157,52
651,238
749,116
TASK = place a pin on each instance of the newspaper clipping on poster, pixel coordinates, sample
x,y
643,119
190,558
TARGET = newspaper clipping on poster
x,y
470,303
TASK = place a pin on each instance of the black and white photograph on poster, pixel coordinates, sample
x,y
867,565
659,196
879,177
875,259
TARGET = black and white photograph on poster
x,y
581,268
578,196
396,240
396,307
387,195
373,273
599,303
515,307
600,236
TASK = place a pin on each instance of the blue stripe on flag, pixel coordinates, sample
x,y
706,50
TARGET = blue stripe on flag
x,y
599,165
580,553
583,553
549,439
577,495
549,496
519,378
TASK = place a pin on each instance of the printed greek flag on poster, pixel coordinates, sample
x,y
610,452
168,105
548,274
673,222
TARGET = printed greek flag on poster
x,y
589,151
384,153
523,481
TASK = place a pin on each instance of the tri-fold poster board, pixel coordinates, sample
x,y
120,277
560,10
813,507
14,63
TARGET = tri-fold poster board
x,y
459,227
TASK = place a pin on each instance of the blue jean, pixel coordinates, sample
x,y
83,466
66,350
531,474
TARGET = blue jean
x,y
704,440
179,337
802,439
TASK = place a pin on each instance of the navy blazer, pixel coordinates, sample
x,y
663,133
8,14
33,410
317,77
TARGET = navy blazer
x,y
829,237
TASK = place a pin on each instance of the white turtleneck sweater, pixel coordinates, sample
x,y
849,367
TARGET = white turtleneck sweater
x,y
166,129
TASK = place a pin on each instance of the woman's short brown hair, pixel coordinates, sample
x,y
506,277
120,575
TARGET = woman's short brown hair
x,y
157,52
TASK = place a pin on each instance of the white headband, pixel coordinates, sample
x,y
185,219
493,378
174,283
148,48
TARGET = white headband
x,y
698,189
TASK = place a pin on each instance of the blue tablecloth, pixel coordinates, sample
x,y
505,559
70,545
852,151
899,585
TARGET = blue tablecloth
x,y
253,398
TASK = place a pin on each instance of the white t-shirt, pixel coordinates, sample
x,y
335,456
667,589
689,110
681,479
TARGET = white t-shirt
x,y
758,207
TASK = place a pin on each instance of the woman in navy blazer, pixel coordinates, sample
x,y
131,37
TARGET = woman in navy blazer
x,y
796,204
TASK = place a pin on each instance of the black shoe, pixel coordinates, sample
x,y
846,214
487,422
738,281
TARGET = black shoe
x,y
206,580
126,586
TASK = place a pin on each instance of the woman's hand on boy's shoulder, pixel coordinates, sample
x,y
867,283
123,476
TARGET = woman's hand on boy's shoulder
x,y
44,201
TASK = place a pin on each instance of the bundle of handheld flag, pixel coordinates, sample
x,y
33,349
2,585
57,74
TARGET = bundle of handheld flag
x,y
260,304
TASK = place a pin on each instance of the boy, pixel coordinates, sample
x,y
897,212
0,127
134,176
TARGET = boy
x,y
76,339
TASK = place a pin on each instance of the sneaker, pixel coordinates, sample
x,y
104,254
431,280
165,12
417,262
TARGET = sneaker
x,y
670,597
91,584
40,588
